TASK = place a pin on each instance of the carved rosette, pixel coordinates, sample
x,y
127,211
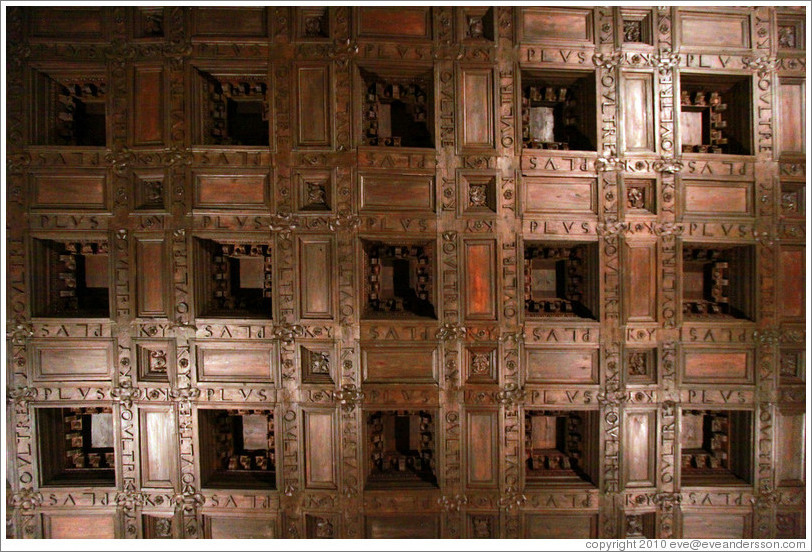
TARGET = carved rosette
x,y
287,333
512,499
452,504
510,395
450,332
26,499
125,393
348,397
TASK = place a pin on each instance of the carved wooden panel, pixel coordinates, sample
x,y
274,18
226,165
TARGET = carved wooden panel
x,y
320,449
148,110
639,121
477,108
389,22
151,283
78,526
313,106
158,434
722,526
793,115
78,360
315,267
717,30
406,271
70,191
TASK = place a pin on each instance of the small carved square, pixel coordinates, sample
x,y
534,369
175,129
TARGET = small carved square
x,y
792,367
790,525
793,200
483,527
150,191
316,364
632,30
481,364
634,526
640,525
314,190
314,23
477,23
638,364
154,361
787,37
640,195
157,527
479,193
149,23
320,526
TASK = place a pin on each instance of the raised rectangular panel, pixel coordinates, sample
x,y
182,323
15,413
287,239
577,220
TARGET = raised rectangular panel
x,y
639,441
412,363
313,105
87,190
477,128
238,527
78,526
235,361
566,195
482,449
718,366
148,112
387,191
150,285
316,269
792,105
394,22
236,22
231,191
480,280
792,283
715,30
73,360
411,526
158,453
54,22
641,282
715,525
561,366
638,112
560,526
715,199
319,450
560,24
791,449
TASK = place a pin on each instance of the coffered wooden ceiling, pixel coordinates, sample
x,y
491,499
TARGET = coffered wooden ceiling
x,y
406,272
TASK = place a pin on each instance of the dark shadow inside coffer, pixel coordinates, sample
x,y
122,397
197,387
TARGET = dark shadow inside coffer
x,y
716,447
237,449
71,279
561,448
76,446
401,445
